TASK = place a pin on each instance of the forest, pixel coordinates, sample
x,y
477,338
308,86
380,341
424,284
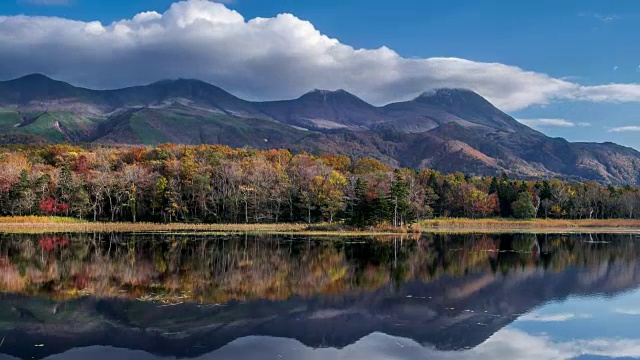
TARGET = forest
x,y
218,184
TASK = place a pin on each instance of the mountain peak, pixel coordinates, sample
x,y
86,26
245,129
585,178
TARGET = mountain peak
x,y
180,81
322,92
446,93
35,87
339,96
191,88
34,79
457,98
35,76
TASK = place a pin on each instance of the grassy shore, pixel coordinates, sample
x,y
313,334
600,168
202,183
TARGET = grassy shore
x,y
537,225
35,224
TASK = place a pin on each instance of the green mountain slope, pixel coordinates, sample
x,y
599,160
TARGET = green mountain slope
x,y
185,126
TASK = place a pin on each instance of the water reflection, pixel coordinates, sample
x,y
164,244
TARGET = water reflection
x,y
189,295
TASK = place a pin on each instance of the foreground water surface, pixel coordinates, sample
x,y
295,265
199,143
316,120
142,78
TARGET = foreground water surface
x,y
198,296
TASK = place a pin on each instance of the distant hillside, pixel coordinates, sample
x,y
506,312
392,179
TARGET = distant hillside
x,y
444,129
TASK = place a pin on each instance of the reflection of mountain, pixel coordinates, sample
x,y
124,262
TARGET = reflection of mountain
x,y
449,312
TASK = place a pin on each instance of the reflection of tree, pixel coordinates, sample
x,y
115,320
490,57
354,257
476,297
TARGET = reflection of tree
x,y
177,268
50,242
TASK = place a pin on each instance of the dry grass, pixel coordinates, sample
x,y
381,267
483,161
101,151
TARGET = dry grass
x,y
404,229
537,225
546,223
34,224
42,225
38,225
37,220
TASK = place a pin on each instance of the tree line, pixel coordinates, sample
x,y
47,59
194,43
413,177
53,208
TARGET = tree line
x,y
214,183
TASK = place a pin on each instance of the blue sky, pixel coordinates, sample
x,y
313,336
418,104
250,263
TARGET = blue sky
x,y
587,42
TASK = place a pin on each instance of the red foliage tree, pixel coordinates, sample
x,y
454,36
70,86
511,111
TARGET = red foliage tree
x,y
50,206
81,165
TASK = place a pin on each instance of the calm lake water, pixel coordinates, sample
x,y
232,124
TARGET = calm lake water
x,y
196,296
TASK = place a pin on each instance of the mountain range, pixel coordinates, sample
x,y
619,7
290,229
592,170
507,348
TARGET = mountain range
x,y
444,129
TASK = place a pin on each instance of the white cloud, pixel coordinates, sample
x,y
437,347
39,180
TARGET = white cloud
x,y
552,122
624,129
600,17
607,18
553,317
262,58
628,311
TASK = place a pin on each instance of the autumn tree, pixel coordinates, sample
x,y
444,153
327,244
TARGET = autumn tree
x,y
477,203
219,184
329,191
22,197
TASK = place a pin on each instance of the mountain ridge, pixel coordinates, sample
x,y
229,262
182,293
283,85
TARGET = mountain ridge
x,y
445,129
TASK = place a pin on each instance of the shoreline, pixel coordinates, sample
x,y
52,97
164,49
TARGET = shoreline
x,y
39,225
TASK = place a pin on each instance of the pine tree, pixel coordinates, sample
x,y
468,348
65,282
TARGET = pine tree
x,y
359,208
379,210
432,182
507,194
493,187
545,190
399,198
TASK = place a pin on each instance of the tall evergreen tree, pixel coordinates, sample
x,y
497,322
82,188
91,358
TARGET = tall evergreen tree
x,y
399,199
493,187
357,206
507,194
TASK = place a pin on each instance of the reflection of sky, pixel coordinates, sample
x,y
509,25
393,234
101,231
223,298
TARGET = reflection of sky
x,y
587,317
507,344
578,328
594,327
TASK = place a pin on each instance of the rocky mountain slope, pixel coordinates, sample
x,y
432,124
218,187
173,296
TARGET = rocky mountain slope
x,y
445,129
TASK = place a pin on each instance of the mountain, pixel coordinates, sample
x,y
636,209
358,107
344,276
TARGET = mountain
x,y
442,106
324,110
444,129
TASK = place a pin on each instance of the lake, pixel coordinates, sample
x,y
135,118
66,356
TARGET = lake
x,y
199,296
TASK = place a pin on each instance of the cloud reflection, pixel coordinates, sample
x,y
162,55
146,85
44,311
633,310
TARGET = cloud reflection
x,y
553,317
506,344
